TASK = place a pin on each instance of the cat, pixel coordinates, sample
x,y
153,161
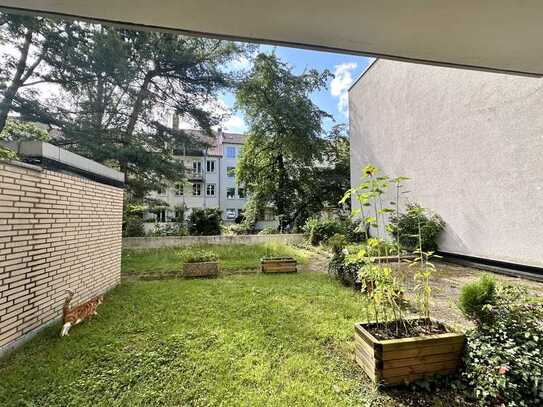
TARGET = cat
x,y
76,315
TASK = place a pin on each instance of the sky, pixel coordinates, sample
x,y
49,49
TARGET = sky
x,y
333,100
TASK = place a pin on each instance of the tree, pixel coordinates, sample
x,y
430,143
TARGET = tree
x,y
28,42
333,177
284,139
118,88
15,130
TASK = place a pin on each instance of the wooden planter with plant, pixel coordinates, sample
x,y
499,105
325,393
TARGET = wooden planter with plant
x,y
200,263
278,265
391,348
403,360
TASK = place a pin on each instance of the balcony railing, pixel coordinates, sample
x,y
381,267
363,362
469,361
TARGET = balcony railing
x,y
195,175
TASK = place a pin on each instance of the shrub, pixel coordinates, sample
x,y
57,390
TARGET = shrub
x,y
268,230
431,225
133,227
197,256
503,360
337,243
318,230
344,270
169,229
237,229
205,222
355,231
477,298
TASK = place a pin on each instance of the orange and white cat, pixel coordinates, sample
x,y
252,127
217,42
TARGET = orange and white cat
x,y
76,315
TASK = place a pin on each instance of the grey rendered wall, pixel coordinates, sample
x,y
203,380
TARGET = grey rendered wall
x,y
158,242
472,142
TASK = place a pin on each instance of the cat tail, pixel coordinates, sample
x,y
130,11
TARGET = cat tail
x,y
67,301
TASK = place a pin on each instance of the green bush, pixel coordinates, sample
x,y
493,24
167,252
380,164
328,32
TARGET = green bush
x,y
406,224
133,227
197,256
503,357
205,222
317,230
346,271
477,298
337,243
237,229
169,229
268,230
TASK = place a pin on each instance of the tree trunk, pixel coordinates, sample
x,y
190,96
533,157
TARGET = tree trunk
x,y
281,193
136,110
16,82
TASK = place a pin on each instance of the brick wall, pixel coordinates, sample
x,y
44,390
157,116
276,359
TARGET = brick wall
x,y
57,232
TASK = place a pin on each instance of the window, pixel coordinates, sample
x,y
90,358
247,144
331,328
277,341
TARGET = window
x,y
230,193
241,193
230,152
230,213
210,190
161,191
196,189
179,189
161,215
210,166
197,167
231,171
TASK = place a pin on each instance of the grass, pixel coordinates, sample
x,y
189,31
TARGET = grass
x,y
241,340
231,257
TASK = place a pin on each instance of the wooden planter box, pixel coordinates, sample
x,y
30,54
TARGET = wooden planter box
x,y
204,269
278,265
397,361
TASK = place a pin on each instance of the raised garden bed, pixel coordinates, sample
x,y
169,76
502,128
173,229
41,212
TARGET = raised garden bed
x,y
394,258
201,269
403,360
278,265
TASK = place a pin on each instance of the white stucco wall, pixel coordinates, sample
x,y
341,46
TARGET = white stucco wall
x,y
472,144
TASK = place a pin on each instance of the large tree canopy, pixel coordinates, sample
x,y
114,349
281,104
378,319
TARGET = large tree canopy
x,y
116,90
285,143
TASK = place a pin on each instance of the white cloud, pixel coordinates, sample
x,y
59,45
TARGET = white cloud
x,y
241,64
235,124
340,85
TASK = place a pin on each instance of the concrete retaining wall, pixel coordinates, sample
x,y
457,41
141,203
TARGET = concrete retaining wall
x,y
157,242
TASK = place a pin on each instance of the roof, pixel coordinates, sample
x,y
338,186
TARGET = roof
x,y
215,142
372,63
490,35
233,138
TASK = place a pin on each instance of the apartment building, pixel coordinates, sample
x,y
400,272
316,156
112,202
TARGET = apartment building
x,y
210,179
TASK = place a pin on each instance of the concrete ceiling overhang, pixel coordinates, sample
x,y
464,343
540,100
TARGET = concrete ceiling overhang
x,y
497,35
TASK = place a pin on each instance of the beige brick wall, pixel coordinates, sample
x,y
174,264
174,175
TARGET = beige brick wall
x,y
57,232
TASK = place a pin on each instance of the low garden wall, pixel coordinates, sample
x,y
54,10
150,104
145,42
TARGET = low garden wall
x,y
57,232
157,242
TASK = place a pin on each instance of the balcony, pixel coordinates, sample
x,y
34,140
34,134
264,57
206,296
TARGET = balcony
x,y
195,175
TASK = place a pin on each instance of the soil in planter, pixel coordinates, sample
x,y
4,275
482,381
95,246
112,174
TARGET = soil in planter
x,y
412,328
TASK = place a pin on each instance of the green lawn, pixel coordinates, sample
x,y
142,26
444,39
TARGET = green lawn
x,y
231,257
239,340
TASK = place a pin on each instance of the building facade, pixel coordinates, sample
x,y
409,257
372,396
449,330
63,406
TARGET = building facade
x,y
472,144
210,179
